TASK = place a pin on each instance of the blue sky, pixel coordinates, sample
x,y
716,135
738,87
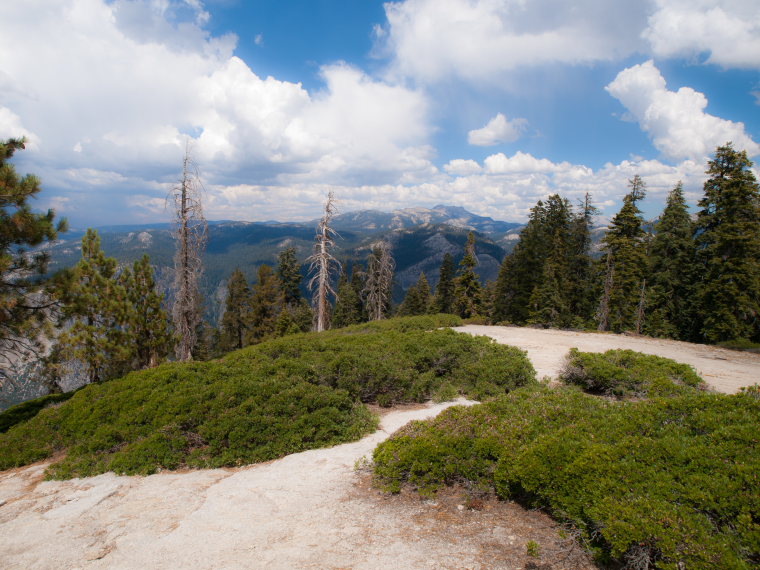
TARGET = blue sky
x,y
486,104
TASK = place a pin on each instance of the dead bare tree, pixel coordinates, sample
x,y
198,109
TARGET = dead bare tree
x,y
322,264
191,233
378,287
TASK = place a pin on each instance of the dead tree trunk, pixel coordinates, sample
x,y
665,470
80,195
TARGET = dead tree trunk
x,y
322,265
191,233
378,288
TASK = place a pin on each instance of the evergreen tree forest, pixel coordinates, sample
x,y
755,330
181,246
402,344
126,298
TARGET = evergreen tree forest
x,y
693,278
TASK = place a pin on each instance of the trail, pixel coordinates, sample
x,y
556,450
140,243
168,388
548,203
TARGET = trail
x,y
307,510
725,370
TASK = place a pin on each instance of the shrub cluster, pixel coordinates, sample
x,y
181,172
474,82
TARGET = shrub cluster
x,y
626,374
286,395
27,410
391,367
661,483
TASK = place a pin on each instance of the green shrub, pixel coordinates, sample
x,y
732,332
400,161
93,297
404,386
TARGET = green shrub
x,y
27,410
652,483
741,344
626,374
282,396
406,324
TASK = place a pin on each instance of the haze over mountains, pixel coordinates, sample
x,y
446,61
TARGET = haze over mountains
x,y
420,237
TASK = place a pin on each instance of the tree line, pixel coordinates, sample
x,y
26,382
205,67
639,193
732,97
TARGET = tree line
x,y
690,279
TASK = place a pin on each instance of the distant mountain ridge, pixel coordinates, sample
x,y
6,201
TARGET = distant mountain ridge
x,y
419,237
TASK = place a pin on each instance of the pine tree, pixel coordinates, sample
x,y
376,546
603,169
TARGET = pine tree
x,y
549,305
379,282
24,311
728,242
467,287
348,306
671,272
580,289
521,270
266,302
98,311
444,292
624,264
289,274
235,320
149,323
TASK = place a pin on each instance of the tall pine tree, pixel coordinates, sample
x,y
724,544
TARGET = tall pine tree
x,y
23,311
444,292
623,264
236,317
467,287
671,272
728,242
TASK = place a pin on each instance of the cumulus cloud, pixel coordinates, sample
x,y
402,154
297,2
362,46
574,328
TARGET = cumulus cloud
x,y
462,167
497,130
727,31
676,121
431,40
116,87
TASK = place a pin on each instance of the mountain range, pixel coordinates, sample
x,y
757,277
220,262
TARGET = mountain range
x,y
420,237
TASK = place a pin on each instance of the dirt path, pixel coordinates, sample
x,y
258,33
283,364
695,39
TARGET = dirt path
x,y
307,510
725,370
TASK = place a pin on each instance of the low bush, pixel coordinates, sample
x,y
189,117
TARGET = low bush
x,y
405,324
662,483
626,374
286,395
391,367
741,344
27,410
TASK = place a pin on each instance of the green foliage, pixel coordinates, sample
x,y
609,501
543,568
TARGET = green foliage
x,y
467,287
27,410
266,303
417,300
262,402
671,272
444,293
741,344
625,374
661,483
348,307
728,242
533,549
23,313
624,265
289,274
235,322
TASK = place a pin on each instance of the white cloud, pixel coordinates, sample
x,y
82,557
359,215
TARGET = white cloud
x,y
460,167
676,121
432,40
728,31
116,86
497,130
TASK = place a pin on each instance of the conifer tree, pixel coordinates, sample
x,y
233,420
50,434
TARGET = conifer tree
x,y
417,300
521,270
467,287
348,306
580,289
728,242
23,311
289,274
549,304
98,311
379,282
266,302
444,292
236,317
671,272
624,264
149,323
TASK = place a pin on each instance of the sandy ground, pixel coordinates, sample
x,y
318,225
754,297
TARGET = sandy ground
x,y
724,370
311,509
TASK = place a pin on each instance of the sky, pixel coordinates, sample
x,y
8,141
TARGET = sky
x,y
486,104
